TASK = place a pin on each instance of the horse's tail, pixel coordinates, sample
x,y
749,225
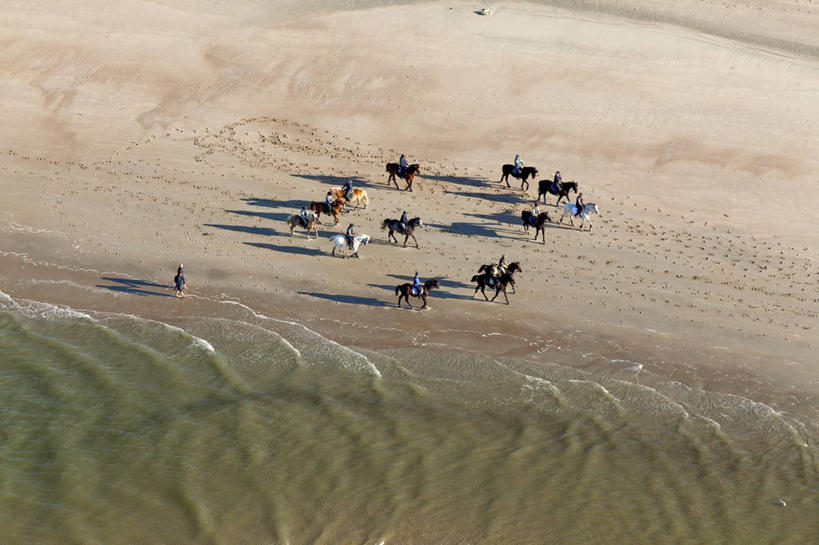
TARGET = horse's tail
x,y
364,197
397,289
475,278
384,225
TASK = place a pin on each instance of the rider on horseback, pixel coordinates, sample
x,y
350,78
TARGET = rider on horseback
x,y
579,204
347,190
535,213
303,217
403,222
502,265
416,284
556,183
518,165
349,234
402,165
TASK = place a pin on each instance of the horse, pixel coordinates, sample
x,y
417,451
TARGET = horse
x,y
405,290
539,224
395,227
319,208
570,208
340,243
486,280
359,196
525,172
296,220
545,186
490,269
408,175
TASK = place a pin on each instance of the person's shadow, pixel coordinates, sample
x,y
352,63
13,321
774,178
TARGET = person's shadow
x,y
135,287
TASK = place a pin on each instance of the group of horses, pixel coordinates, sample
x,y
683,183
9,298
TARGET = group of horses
x,y
489,276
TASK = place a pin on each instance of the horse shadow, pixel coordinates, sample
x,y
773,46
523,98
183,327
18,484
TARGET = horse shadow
x,y
338,181
274,203
444,283
134,287
275,216
505,217
264,231
351,299
494,197
472,182
287,249
465,228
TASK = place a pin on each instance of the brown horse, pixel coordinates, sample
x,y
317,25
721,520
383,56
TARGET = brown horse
x,y
525,172
409,175
486,280
405,291
359,196
295,221
538,224
320,208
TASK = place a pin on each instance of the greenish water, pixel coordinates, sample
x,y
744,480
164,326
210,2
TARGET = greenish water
x,y
248,429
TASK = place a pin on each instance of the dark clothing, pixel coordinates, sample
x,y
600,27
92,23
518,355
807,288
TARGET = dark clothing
x,y
402,166
403,222
579,204
348,190
179,281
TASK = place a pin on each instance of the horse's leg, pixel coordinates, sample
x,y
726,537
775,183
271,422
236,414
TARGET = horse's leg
x,y
391,236
334,250
483,291
415,239
424,299
406,237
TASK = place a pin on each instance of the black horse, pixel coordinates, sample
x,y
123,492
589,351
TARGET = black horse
x,y
544,187
538,224
396,227
408,175
486,280
404,291
525,173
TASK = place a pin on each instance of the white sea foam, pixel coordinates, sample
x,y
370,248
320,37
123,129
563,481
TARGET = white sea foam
x,y
599,387
366,363
6,300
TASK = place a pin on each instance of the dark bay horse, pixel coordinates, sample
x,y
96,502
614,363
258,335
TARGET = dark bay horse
x,y
404,291
320,208
395,227
545,186
525,173
486,280
539,223
408,176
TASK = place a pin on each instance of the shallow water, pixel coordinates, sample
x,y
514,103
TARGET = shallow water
x,y
244,428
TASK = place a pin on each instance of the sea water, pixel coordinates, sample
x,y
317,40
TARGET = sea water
x,y
241,428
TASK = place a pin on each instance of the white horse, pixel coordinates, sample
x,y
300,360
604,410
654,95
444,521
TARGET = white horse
x,y
340,243
569,209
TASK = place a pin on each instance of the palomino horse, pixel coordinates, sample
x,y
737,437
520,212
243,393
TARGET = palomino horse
x,y
404,291
569,209
340,243
359,196
311,225
396,227
538,224
408,175
320,208
487,280
545,186
525,172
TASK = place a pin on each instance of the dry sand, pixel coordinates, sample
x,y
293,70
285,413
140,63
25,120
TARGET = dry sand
x,y
140,135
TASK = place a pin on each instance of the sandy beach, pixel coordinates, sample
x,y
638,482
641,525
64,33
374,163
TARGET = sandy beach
x,y
138,136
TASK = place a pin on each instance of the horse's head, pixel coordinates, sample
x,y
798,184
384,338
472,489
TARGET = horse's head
x,y
533,171
413,168
416,222
514,266
364,239
429,284
591,207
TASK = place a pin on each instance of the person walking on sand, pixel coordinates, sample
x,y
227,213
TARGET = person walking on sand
x,y
328,202
179,283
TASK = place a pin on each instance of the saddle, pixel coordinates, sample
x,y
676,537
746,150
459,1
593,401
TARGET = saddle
x,y
491,281
414,290
556,187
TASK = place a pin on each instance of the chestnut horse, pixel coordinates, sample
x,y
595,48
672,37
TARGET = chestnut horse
x,y
359,196
525,172
405,291
319,208
410,173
